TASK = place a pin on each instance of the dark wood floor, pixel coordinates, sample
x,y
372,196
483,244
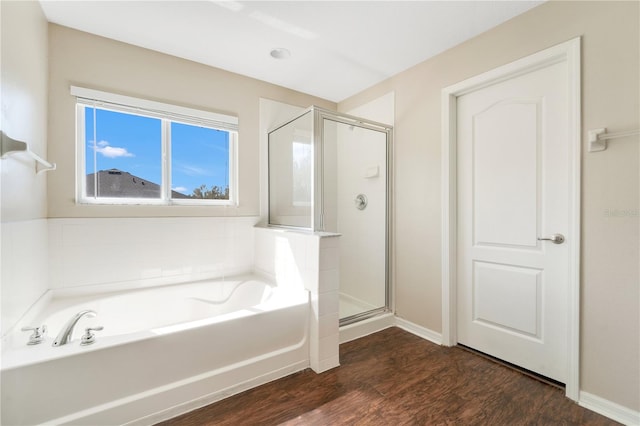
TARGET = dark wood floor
x,y
395,378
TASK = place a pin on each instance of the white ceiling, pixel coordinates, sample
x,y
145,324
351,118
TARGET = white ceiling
x,y
338,48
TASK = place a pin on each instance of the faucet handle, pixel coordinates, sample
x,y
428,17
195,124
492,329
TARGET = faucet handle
x,y
88,337
38,334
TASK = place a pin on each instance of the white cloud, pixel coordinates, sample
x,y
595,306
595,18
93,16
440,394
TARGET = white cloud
x,y
179,189
104,148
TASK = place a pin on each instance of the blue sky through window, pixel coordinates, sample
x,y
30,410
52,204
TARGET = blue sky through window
x,y
133,144
199,156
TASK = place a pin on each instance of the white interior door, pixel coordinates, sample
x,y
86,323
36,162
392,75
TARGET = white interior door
x,y
513,189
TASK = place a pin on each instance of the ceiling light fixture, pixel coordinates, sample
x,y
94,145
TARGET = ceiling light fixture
x,y
280,53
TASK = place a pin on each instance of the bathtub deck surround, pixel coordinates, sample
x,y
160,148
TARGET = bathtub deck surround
x,y
179,345
183,346
308,260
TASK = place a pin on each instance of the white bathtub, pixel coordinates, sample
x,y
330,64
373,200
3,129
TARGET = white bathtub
x,y
163,351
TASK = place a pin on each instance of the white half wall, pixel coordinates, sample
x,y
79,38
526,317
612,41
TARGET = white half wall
x,y
311,261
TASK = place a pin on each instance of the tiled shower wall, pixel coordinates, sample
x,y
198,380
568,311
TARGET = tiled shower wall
x,y
147,251
23,269
43,254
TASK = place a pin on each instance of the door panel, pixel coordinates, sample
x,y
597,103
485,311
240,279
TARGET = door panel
x,y
513,187
508,297
511,202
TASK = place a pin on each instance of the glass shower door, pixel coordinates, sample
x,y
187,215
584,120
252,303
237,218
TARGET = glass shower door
x,y
355,204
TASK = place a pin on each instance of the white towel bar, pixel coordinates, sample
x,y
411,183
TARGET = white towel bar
x,y
10,146
598,138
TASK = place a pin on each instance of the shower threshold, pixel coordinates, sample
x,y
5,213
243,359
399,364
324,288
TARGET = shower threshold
x,y
350,306
353,310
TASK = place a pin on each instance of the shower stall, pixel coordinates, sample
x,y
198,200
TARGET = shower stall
x,y
331,172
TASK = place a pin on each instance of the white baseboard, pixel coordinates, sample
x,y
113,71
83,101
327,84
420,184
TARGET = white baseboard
x,y
591,402
373,325
365,327
609,409
419,331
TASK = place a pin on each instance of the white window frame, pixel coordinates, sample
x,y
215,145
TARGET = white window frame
x,y
168,114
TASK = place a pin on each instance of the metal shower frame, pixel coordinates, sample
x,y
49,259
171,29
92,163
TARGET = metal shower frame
x,y
317,196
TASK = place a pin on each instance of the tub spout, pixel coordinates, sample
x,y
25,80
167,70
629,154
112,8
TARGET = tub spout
x,y
65,334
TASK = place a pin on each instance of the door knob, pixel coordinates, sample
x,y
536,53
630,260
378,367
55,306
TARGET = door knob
x,y
555,239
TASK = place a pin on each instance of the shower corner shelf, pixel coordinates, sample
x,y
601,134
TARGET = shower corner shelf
x,y
9,146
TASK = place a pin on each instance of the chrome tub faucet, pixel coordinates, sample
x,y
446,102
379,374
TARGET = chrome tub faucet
x,y
65,334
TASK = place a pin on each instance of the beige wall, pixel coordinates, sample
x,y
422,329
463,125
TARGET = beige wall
x,y
23,198
24,108
82,59
610,327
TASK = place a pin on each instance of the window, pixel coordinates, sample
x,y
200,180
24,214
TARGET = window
x,y
133,151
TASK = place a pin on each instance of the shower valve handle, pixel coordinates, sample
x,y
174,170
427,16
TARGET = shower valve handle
x,y
361,201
